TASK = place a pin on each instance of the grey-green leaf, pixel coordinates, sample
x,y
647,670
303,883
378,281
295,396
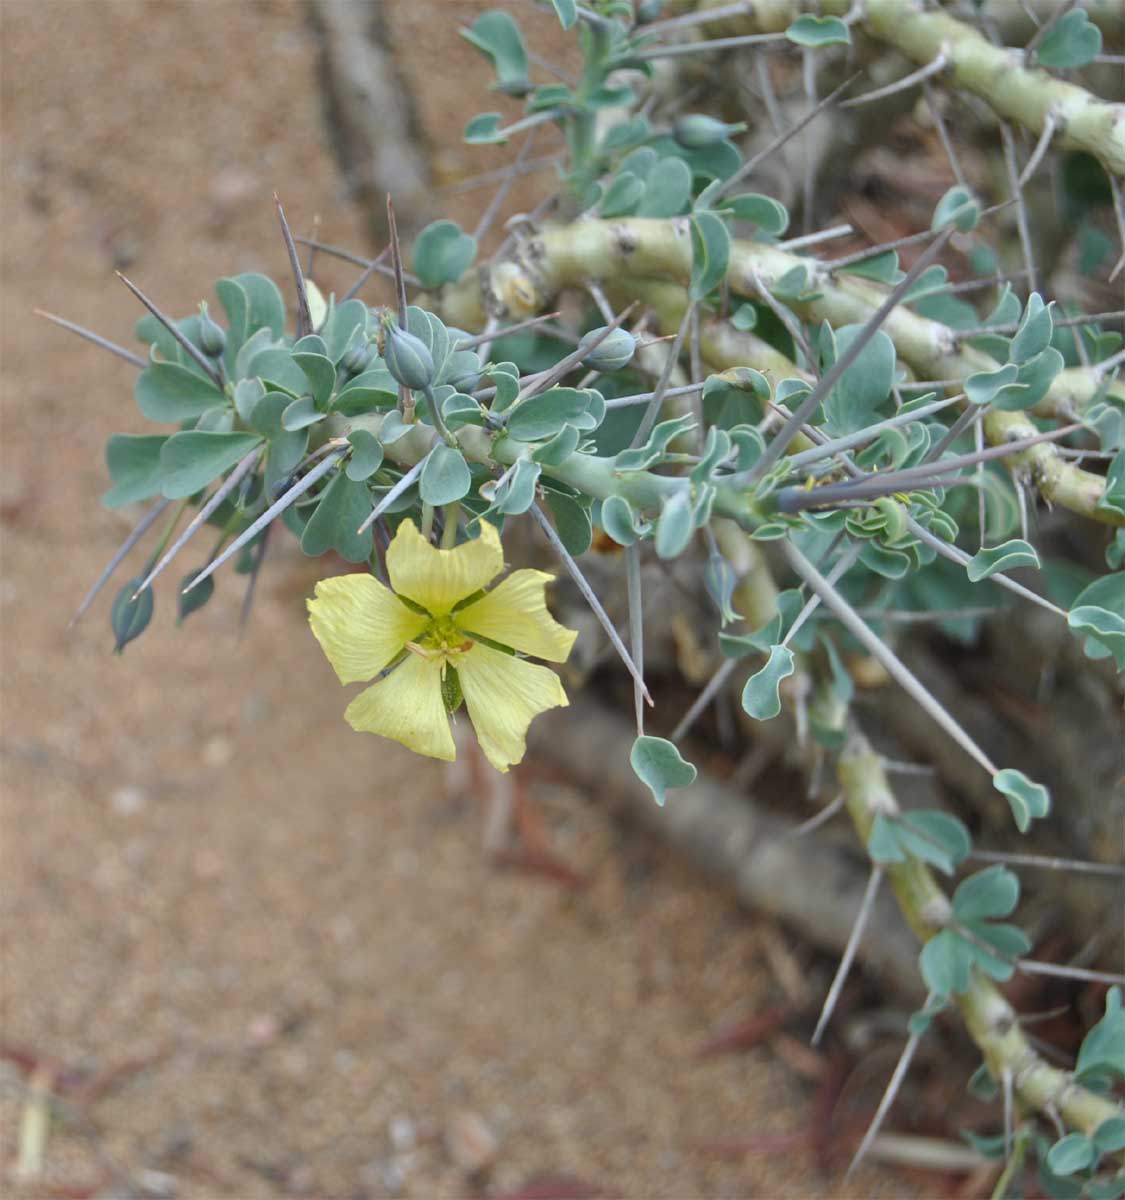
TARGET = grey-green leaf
x,y
659,766
190,461
1028,800
761,697
445,477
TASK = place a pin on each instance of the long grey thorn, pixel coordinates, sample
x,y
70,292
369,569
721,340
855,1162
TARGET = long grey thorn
x,y
910,239
866,907
895,667
1023,225
368,271
470,343
751,163
636,629
934,67
357,260
645,397
252,582
786,318
957,555
96,338
214,500
193,351
501,194
965,420
1117,191
681,49
275,509
653,410
396,263
139,530
394,493
1049,863
811,402
588,594
304,314
826,449
901,1068
943,133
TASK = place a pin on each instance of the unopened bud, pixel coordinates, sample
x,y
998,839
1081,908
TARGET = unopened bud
x,y
357,359
612,353
698,130
408,358
212,338
649,10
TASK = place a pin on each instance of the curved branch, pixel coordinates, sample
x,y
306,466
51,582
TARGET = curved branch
x,y
991,1021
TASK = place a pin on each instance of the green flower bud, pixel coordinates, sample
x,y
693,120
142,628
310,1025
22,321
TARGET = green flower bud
x,y
649,10
698,130
407,357
212,337
357,359
611,353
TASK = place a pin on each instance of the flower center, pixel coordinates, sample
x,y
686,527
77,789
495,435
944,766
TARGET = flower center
x,y
441,639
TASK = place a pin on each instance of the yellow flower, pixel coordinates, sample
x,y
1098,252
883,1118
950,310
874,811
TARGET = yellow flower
x,y
444,637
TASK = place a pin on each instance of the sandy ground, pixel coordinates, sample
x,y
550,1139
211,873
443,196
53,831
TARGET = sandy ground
x,y
283,938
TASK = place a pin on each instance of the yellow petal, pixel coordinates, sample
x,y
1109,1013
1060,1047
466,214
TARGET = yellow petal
x,y
408,707
515,614
437,579
503,695
360,625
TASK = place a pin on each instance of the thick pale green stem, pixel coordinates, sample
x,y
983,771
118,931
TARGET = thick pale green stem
x,y
995,74
590,474
989,1018
638,248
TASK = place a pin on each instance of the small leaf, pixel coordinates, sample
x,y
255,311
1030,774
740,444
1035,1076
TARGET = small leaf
x,y
982,386
761,697
555,452
190,460
993,892
622,195
618,520
1113,498
883,844
1028,800
768,214
946,963
566,11
988,560
958,207
572,522
1109,1137
344,505
1034,333
710,253
129,618
169,392
300,414
814,32
442,253
483,130
658,765
543,416
517,494
674,526
1070,1154
445,477
134,466
667,189
1075,41
1103,1048
498,37
366,456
